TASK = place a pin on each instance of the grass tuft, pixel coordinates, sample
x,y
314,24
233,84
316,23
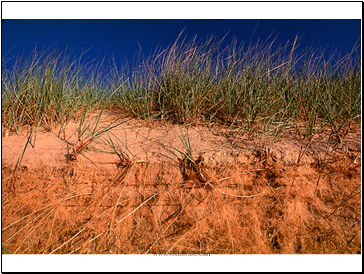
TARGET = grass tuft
x,y
263,88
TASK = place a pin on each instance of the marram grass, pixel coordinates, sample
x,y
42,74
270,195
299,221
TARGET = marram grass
x,y
261,88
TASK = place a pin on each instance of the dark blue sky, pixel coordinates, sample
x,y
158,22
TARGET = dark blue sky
x,y
121,37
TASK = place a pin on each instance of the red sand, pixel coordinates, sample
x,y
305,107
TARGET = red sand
x,y
155,201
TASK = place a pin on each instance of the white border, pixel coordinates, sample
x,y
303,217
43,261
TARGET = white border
x,y
181,10
151,263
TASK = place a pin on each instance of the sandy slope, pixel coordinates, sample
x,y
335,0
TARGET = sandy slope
x,y
242,200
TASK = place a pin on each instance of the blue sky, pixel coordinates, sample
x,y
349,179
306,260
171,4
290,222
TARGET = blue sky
x,y
120,37
119,34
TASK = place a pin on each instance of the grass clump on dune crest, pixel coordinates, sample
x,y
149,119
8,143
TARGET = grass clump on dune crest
x,y
263,88
48,88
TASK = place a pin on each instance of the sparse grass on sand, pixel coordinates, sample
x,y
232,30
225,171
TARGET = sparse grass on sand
x,y
194,149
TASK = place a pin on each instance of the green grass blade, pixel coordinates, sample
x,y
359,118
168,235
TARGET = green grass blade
x,y
4,249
